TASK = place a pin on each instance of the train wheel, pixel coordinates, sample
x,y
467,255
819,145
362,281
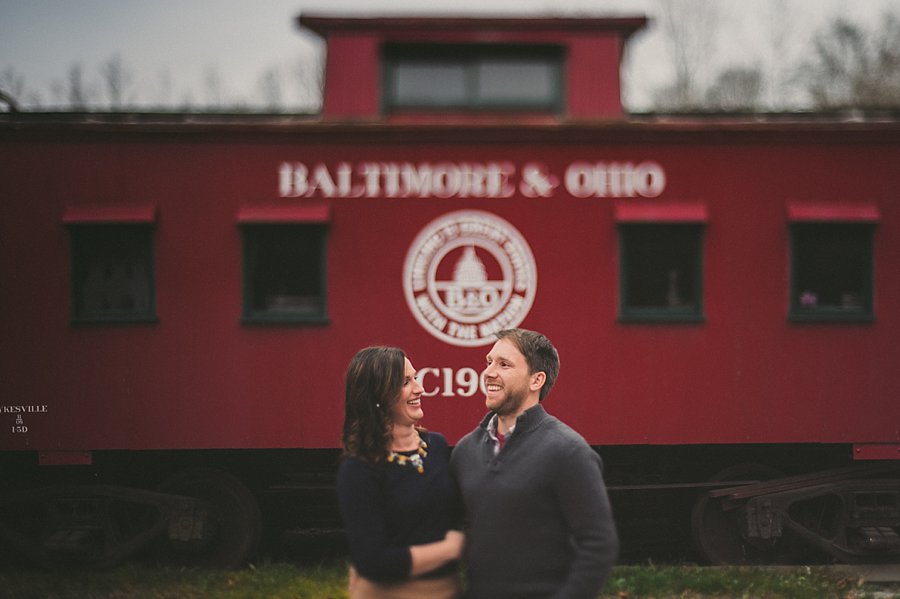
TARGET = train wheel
x,y
717,533
227,532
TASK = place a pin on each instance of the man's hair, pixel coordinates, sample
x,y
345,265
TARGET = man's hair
x,y
540,355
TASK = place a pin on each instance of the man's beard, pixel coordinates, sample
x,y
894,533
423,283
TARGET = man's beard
x,y
512,402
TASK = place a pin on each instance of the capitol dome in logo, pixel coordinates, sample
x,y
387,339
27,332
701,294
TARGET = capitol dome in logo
x,y
467,275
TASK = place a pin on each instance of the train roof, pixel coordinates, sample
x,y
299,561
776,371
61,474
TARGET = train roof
x,y
326,25
698,126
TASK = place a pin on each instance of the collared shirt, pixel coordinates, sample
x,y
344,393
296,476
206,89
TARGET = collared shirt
x,y
495,435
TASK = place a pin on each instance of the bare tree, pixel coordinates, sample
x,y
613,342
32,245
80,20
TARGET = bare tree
x,y
309,75
78,94
12,88
888,49
187,102
213,82
689,27
270,88
164,86
779,31
736,89
117,79
852,67
9,101
58,93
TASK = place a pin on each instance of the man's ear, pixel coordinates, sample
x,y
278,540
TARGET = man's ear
x,y
537,380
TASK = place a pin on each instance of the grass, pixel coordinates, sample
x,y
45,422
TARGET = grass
x,y
744,582
328,581
271,581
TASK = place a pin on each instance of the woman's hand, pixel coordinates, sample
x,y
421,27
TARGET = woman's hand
x,y
456,541
426,558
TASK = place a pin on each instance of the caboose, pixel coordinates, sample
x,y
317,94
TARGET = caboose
x,y
181,294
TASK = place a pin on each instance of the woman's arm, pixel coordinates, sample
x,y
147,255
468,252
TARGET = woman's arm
x,y
373,554
371,551
430,556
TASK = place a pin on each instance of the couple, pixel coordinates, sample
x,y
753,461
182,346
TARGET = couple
x,y
537,517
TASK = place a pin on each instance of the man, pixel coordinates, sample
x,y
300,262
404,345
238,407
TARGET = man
x,y
539,520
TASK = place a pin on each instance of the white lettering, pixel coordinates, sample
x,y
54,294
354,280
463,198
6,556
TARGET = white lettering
x,y
345,187
423,259
462,331
322,182
468,180
424,372
464,382
536,183
503,319
520,266
371,172
578,180
292,180
431,313
650,179
615,180
446,180
39,409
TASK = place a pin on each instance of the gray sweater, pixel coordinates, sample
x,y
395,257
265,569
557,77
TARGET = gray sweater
x,y
539,519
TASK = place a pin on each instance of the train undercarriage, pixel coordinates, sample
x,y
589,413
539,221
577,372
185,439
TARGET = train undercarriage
x,y
851,515
216,511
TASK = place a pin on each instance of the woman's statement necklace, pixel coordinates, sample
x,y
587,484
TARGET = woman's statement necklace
x,y
414,460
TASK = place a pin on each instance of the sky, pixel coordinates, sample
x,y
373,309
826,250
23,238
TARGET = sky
x,y
179,52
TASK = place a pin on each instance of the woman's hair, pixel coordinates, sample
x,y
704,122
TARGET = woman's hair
x,y
373,383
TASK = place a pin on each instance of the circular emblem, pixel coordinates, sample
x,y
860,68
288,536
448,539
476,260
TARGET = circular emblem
x,y
467,275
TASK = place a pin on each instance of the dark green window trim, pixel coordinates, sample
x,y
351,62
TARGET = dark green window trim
x,y
832,272
284,273
469,58
113,273
658,248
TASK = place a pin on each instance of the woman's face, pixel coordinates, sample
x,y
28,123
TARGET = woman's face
x,y
407,409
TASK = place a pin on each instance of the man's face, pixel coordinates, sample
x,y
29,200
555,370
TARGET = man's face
x,y
506,378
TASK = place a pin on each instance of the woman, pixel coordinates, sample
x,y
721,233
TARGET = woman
x,y
397,499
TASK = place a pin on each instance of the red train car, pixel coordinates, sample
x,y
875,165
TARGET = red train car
x,y
181,294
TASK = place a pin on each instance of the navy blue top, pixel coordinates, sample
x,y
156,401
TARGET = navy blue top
x,y
387,507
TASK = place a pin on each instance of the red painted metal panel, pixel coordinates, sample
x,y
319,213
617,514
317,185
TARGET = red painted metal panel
x,y
145,213
876,451
661,212
352,81
593,89
306,213
201,379
845,212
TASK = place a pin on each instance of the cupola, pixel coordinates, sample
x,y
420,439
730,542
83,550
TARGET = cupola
x,y
425,68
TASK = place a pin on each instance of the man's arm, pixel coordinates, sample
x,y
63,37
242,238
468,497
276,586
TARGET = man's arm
x,y
586,509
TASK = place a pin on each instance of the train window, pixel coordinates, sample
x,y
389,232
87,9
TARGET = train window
x,y
284,273
661,275
831,271
473,76
112,273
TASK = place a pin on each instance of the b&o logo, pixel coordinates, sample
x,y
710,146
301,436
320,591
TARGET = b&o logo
x,y
467,275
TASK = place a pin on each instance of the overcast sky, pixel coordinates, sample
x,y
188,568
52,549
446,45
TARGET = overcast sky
x,y
177,51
